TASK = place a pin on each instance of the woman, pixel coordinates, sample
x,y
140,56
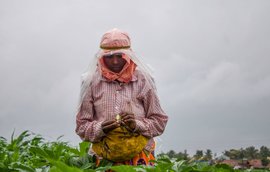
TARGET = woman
x,y
118,86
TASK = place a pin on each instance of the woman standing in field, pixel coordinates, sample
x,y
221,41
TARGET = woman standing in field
x,y
119,111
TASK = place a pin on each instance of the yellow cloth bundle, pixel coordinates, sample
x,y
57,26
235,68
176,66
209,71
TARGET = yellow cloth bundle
x,y
120,145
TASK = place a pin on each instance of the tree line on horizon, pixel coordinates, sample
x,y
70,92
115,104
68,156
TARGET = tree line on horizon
x,y
248,153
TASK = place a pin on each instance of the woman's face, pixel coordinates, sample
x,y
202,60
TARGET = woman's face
x,y
114,62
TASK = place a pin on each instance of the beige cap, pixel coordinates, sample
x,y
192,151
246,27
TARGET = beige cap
x,y
115,39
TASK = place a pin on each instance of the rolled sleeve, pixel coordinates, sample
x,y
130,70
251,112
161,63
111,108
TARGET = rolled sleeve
x,y
94,132
86,127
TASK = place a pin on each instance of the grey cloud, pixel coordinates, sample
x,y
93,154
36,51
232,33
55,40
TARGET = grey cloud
x,y
210,61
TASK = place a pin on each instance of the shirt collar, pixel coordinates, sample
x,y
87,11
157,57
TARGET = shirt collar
x,y
133,79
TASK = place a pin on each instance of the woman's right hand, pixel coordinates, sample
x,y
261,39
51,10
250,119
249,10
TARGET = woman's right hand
x,y
109,125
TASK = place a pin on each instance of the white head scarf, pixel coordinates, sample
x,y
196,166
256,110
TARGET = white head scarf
x,y
113,41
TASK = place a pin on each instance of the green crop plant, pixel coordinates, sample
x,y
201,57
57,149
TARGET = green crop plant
x,y
29,152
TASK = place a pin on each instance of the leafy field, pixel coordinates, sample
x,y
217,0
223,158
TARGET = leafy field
x,y
31,153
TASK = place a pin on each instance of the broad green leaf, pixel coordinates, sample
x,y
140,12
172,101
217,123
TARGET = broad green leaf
x,y
62,167
23,168
125,168
39,151
84,146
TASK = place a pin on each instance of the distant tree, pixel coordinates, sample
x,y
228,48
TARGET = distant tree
x,y
185,155
161,154
264,152
180,155
232,153
171,153
265,161
251,152
208,154
199,154
241,154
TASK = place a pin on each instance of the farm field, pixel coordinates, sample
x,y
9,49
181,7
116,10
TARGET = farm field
x,y
32,153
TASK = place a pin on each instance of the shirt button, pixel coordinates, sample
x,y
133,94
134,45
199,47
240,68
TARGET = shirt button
x,y
116,107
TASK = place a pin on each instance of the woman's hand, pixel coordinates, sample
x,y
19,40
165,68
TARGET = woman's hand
x,y
129,120
109,125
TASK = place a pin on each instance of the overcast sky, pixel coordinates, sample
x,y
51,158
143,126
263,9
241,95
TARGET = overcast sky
x,y
210,60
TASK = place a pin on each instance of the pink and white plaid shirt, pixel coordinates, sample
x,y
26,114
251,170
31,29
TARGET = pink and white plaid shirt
x,y
105,99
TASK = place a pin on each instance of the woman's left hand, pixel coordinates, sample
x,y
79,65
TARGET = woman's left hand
x,y
129,120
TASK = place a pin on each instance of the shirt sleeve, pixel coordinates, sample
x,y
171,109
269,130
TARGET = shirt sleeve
x,y
155,120
86,127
